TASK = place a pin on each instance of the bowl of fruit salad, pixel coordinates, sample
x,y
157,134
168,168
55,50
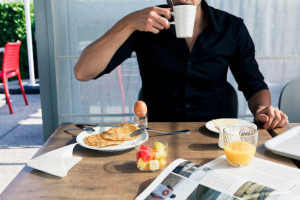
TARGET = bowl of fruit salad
x,y
152,155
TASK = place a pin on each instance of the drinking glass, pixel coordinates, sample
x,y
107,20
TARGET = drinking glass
x,y
225,125
240,144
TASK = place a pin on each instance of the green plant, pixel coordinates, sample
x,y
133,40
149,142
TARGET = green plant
x,y
13,28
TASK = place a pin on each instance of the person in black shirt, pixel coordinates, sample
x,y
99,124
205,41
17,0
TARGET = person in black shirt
x,y
184,77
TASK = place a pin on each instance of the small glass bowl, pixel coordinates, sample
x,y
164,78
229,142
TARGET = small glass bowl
x,y
152,155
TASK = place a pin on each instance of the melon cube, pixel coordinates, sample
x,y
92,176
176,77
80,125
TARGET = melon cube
x,y
143,165
145,155
159,146
162,163
160,155
153,165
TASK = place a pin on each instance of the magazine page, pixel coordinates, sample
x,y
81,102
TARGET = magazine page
x,y
240,188
180,180
159,179
278,176
215,185
186,180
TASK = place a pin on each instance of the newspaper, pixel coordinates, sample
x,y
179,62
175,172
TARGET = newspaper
x,y
261,179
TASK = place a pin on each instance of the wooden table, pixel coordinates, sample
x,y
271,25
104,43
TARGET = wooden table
x,y
103,175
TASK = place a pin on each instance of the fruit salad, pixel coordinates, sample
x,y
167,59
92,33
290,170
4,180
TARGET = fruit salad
x,y
152,155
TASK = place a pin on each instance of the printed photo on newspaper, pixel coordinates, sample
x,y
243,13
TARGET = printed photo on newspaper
x,y
183,179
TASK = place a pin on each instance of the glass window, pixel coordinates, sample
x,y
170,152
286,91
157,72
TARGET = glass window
x,y
273,26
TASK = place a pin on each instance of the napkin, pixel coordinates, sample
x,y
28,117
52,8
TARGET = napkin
x,y
57,162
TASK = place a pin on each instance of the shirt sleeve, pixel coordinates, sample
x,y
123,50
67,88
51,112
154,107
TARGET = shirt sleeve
x,y
244,66
120,56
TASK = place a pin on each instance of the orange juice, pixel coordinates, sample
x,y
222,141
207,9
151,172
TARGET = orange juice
x,y
239,152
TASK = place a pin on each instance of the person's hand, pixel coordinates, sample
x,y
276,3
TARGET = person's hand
x,y
153,19
271,117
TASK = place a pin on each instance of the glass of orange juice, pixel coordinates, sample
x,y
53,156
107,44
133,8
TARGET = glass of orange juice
x,y
240,144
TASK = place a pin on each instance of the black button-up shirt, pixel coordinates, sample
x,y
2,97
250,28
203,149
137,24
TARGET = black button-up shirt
x,y
179,85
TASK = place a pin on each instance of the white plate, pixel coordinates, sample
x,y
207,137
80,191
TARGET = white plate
x,y
210,125
121,147
286,144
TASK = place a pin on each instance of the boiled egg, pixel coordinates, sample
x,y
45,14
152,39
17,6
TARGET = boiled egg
x,y
140,109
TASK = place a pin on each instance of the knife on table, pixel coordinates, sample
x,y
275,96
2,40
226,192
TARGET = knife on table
x,y
100,125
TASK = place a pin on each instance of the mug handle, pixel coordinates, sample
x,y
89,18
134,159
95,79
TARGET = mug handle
x,y
173,22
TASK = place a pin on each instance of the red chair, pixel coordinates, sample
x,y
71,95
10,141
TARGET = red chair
x,y
10,68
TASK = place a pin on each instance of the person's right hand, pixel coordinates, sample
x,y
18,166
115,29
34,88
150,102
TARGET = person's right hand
x,y
271,117
152,19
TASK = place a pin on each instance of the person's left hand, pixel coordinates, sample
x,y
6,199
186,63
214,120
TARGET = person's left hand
x,y
271,117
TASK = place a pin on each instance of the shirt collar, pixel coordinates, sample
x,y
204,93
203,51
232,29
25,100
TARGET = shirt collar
x,y
212,22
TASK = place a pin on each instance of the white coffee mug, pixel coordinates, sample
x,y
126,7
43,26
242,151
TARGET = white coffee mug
x,y
184,19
